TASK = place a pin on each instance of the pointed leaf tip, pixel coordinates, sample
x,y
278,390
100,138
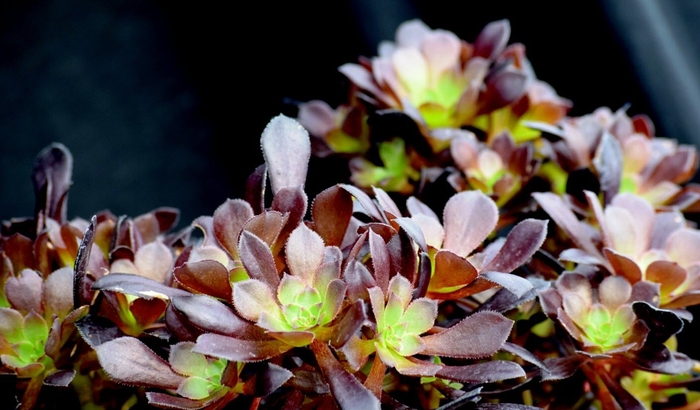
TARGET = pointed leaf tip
x,y
287,149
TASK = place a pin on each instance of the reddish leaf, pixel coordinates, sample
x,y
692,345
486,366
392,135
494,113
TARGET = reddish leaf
x,y
450,270
228,220
287,149
266,226
292,201
487,372
380,260
558,368
258,260
346,389
479,335
206,276
515,284
128,361
18,249
623,266
626,400
239,350
331,212
305,251
522,242
359,279
255,189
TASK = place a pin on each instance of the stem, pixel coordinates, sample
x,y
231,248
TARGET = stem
x,y
30,396
375,378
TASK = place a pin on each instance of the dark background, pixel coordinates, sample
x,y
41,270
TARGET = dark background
x,y
162,103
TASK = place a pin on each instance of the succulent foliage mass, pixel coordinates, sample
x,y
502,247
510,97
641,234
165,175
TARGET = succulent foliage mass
x,y
488,252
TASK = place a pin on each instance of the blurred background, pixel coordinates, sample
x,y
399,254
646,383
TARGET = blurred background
x,y
162,103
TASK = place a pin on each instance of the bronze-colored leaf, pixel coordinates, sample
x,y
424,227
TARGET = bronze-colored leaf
x,y
487,372
258,259
206,276
331,211
522,242
212,315
228,221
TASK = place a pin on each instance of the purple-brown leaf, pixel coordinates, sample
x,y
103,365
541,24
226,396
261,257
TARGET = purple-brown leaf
x,y
128,361
469,217
522,242
213,316
258,260
239,350
487,372
346,389
479,335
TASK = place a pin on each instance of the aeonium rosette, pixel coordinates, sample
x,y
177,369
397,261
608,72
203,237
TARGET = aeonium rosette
x,y
469,218
602,319
299,307
635,242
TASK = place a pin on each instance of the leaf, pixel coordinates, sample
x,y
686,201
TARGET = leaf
x,y
479,335
662,323
487,372
522,242
558,368
229,219
492,39
258,259
96,330
305,252
566,220
251,297
154,260
469,217
81,295
60,378
348,392
286,148
515,284
213,316
353,319
51,175
608,164
136,285
168,401
380,260
267,377
414,232
331,211
58,288
451,271
238,350
128,361
206,276
365,202
505,300
25,292
255,189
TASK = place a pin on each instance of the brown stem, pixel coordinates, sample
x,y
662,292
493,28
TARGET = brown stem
x,y
375,378
30,396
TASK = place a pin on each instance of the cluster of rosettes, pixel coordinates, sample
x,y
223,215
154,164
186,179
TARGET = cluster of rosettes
x,y
366,298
